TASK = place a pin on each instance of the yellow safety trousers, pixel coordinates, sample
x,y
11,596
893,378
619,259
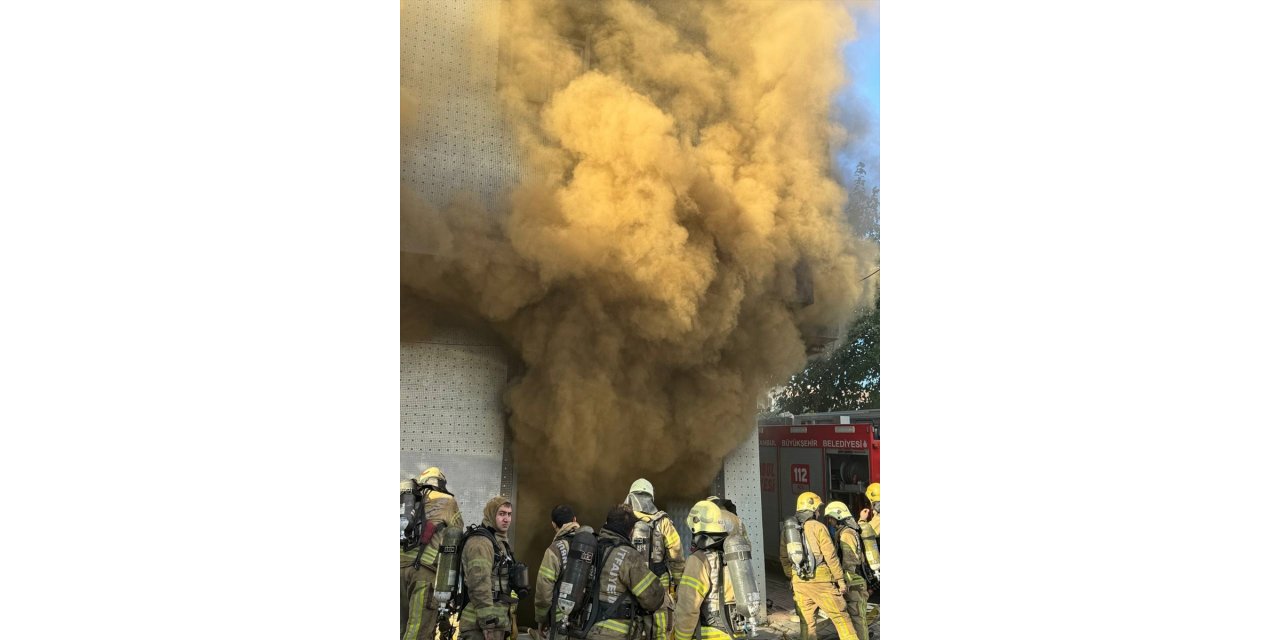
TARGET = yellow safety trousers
x,y
812,596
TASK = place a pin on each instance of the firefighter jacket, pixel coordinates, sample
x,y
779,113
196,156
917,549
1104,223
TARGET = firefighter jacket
x,y
851,557
664,532
625,582
826,563
491,604
441,510
874,524
553,559
701,599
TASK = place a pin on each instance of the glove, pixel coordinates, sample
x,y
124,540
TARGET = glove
x,y
840,584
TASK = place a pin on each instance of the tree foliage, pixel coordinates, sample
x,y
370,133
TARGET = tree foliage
x,y
849,377
863,209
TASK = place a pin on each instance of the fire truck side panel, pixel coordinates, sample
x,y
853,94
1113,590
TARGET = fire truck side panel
x,y
769,479
835,461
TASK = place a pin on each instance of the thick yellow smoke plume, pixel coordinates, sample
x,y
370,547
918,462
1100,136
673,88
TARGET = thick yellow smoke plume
x,y
675,233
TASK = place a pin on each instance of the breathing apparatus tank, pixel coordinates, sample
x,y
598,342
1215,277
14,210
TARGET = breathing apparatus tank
x,y
747,610
871,550
448,559
408,511
641,535
574,578
797,552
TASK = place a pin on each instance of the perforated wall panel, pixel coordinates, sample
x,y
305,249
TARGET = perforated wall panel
x,y
742,485
451,415
451,412
460,143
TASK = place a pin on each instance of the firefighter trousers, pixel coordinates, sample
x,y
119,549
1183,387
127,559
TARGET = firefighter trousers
x,y
417,610
661,617
812,596
855,599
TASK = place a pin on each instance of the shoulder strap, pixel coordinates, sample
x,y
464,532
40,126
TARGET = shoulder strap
x,y
605,548
473,530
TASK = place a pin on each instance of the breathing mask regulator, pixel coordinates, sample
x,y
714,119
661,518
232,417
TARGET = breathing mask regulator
x,y
518,578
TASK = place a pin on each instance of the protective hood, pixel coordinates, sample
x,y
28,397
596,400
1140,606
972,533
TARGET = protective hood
x,y
566,530
641,503
491,514
606,532
801,516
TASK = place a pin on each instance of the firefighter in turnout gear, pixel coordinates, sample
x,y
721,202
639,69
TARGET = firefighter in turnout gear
x,y
418,613
656,537
705,589
870,527
873,494
627,593
730,513
488,589
663,543
565,524
849,549
823,587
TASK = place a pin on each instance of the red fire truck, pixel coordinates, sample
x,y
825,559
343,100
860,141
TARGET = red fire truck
x,y
835,455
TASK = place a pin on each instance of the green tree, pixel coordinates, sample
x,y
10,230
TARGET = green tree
x,y
846,380
863,209
849,377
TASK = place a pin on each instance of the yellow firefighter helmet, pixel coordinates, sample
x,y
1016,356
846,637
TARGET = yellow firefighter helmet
x,y
432,477
641,486
808,501
838,510
705,517
873,492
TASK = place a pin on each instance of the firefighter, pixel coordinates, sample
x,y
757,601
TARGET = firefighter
x,y
849,550
730,512
705,588
486,570
627,593
825,588
418,614
565,523
656,536
871,516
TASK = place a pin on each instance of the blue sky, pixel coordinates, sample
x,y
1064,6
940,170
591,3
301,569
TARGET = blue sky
x,y
858,105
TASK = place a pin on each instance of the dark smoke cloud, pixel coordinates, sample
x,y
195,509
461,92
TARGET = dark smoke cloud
x,y
676,233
